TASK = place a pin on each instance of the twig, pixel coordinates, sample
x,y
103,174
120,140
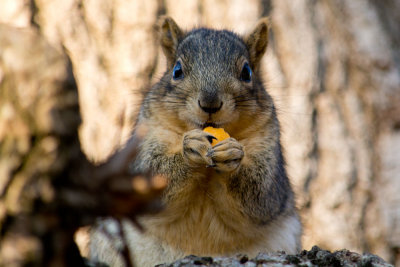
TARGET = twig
x,y
125,249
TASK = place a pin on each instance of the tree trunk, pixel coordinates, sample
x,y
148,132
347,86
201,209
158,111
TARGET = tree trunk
x,y
340,112
333,68
48,189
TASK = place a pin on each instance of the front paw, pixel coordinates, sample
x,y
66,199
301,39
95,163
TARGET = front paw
x,y
197,148
227,155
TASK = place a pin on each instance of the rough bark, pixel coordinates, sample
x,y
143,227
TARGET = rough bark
x,y
339,63
48,189
333,68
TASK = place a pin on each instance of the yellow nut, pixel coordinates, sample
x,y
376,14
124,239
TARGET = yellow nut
x,y
218,133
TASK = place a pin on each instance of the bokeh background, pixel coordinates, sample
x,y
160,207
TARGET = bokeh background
x,y
333,68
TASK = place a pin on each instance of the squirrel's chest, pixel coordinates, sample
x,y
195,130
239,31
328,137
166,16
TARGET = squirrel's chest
x,y
203,220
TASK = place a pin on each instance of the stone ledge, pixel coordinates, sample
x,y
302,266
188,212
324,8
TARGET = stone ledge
x,y
314,257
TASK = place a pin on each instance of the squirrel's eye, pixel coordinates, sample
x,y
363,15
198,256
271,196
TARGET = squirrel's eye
x,y
245,75
177,72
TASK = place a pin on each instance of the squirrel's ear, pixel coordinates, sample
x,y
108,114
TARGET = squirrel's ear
x,y
257,41
170,35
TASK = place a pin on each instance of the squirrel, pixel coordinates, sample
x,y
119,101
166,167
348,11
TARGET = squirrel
x,y
231,198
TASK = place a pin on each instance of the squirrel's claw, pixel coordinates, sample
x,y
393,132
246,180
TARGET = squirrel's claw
x,y
197,149
210,138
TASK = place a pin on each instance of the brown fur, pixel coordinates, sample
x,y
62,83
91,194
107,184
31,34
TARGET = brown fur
x,y
242,202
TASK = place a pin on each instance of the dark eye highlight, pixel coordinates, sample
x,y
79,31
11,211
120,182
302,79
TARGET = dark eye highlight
x,y
246,73
177,72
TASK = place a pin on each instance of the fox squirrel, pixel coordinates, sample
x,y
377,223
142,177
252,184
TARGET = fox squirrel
x,y
230,198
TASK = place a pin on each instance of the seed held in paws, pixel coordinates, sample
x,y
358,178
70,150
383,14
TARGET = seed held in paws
x,y
218,133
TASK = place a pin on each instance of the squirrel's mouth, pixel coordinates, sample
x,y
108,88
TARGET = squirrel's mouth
x,y
209,124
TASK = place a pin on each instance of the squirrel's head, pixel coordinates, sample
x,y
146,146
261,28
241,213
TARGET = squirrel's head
x,y
212,75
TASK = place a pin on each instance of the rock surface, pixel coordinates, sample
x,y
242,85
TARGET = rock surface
x,y
313,257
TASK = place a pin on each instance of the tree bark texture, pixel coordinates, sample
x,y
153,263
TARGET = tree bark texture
x,y
333,68
48,188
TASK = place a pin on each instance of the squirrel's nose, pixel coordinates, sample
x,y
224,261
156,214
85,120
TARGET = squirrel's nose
x,y
210,107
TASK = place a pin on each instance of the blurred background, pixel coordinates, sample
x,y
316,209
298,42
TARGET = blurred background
x,y
333,68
